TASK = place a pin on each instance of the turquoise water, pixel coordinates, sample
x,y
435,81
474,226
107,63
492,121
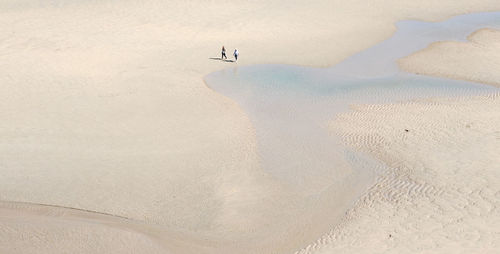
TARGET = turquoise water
x,y
290,106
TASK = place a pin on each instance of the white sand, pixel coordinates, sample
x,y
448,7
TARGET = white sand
x,y
477,60
103,108
442,193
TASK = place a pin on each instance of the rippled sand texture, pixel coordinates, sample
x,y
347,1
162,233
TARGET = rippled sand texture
x,y
442,192
477,60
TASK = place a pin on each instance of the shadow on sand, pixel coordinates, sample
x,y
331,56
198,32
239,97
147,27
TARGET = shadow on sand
x,y
218,58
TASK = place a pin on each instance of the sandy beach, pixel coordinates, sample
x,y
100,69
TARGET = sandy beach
x,y
110,141
477,60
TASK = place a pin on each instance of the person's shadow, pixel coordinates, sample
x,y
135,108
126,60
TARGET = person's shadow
x,y
218,58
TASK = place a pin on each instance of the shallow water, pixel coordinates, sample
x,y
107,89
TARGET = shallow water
x,y
290,106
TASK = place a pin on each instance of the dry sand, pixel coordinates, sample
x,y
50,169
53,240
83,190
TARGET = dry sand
x,y
103,108
477,60
442,193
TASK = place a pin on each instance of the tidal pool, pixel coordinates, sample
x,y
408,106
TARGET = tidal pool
x,y
290,106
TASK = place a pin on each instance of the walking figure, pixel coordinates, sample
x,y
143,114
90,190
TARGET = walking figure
x,y
236,54
223,53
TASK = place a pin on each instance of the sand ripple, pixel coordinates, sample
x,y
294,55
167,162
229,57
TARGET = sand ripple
x,y
441,193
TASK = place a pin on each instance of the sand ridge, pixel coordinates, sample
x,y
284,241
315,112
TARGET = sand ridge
x,y
62,230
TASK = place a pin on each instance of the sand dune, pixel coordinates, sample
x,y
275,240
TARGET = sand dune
x,y
476,60
103,108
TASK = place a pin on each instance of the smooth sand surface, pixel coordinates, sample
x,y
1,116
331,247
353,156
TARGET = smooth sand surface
x,y
103,109
476,60
30,228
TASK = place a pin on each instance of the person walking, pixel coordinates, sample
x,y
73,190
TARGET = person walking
x,y
236,54
223,53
